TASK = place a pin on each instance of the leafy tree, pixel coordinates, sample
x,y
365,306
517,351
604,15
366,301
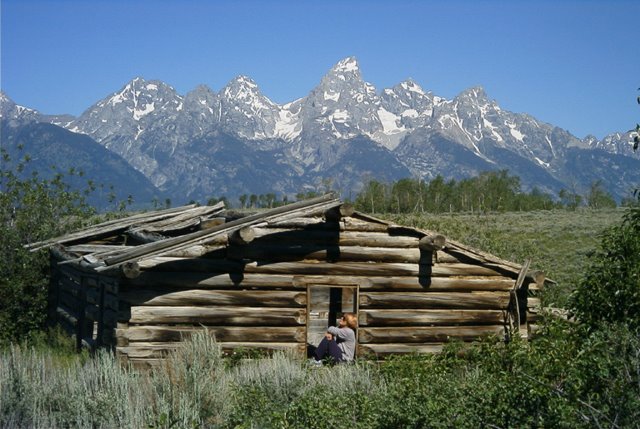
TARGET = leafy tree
x,y
243,201
31,209
598,198
569,199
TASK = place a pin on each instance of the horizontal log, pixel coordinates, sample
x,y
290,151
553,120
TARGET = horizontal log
x,y
461,300
221,333
427,334
353,224
205,280
430,317
344,238
534,304
317,268
161,350
345,224
67,315
384,350
533,317
458,283
245,298
223,316
282,252
188,280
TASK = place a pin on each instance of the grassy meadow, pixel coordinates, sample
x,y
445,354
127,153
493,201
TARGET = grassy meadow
x,y
557,241
563,378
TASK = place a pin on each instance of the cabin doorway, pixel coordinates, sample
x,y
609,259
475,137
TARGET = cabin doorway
x,y
325,305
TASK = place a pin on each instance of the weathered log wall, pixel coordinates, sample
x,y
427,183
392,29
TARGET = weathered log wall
x,y
253,293
84,304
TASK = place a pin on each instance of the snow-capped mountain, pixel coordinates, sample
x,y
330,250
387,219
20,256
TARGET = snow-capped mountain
x,y
205,143
14,114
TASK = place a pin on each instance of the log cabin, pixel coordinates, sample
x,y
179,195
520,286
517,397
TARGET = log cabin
x,y
276,279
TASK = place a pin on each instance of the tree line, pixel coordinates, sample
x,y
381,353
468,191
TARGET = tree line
x,y
491,191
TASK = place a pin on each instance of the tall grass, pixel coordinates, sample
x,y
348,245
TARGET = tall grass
x,y
548,383
194,387
38,389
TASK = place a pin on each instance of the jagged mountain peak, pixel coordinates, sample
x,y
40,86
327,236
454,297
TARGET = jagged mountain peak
x,y
15,113
411,86
474,93
244,89
138,91
242,80
346,65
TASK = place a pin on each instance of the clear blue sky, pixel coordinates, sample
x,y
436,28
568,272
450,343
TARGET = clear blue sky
x,y
575,64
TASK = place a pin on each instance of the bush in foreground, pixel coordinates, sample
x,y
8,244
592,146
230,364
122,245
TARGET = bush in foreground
x,y
566,377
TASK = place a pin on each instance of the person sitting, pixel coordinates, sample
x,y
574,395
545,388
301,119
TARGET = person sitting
x,y
339,343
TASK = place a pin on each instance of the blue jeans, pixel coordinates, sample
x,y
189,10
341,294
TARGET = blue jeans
x,y
328,349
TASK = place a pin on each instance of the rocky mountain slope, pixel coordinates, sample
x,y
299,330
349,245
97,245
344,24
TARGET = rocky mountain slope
x,y
52,150
344,132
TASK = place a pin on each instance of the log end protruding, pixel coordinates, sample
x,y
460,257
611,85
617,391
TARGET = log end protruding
x,y
242,236
334,214
346,210
130,270
432,243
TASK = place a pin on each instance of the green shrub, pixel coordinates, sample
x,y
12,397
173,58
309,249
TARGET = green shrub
x,y
610,289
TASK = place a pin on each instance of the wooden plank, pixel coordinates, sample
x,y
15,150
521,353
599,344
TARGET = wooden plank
x,y
427,334
223,316
116,226
160,350
221,333
461,300
383,318
300,208
243,298
385,350
318,268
